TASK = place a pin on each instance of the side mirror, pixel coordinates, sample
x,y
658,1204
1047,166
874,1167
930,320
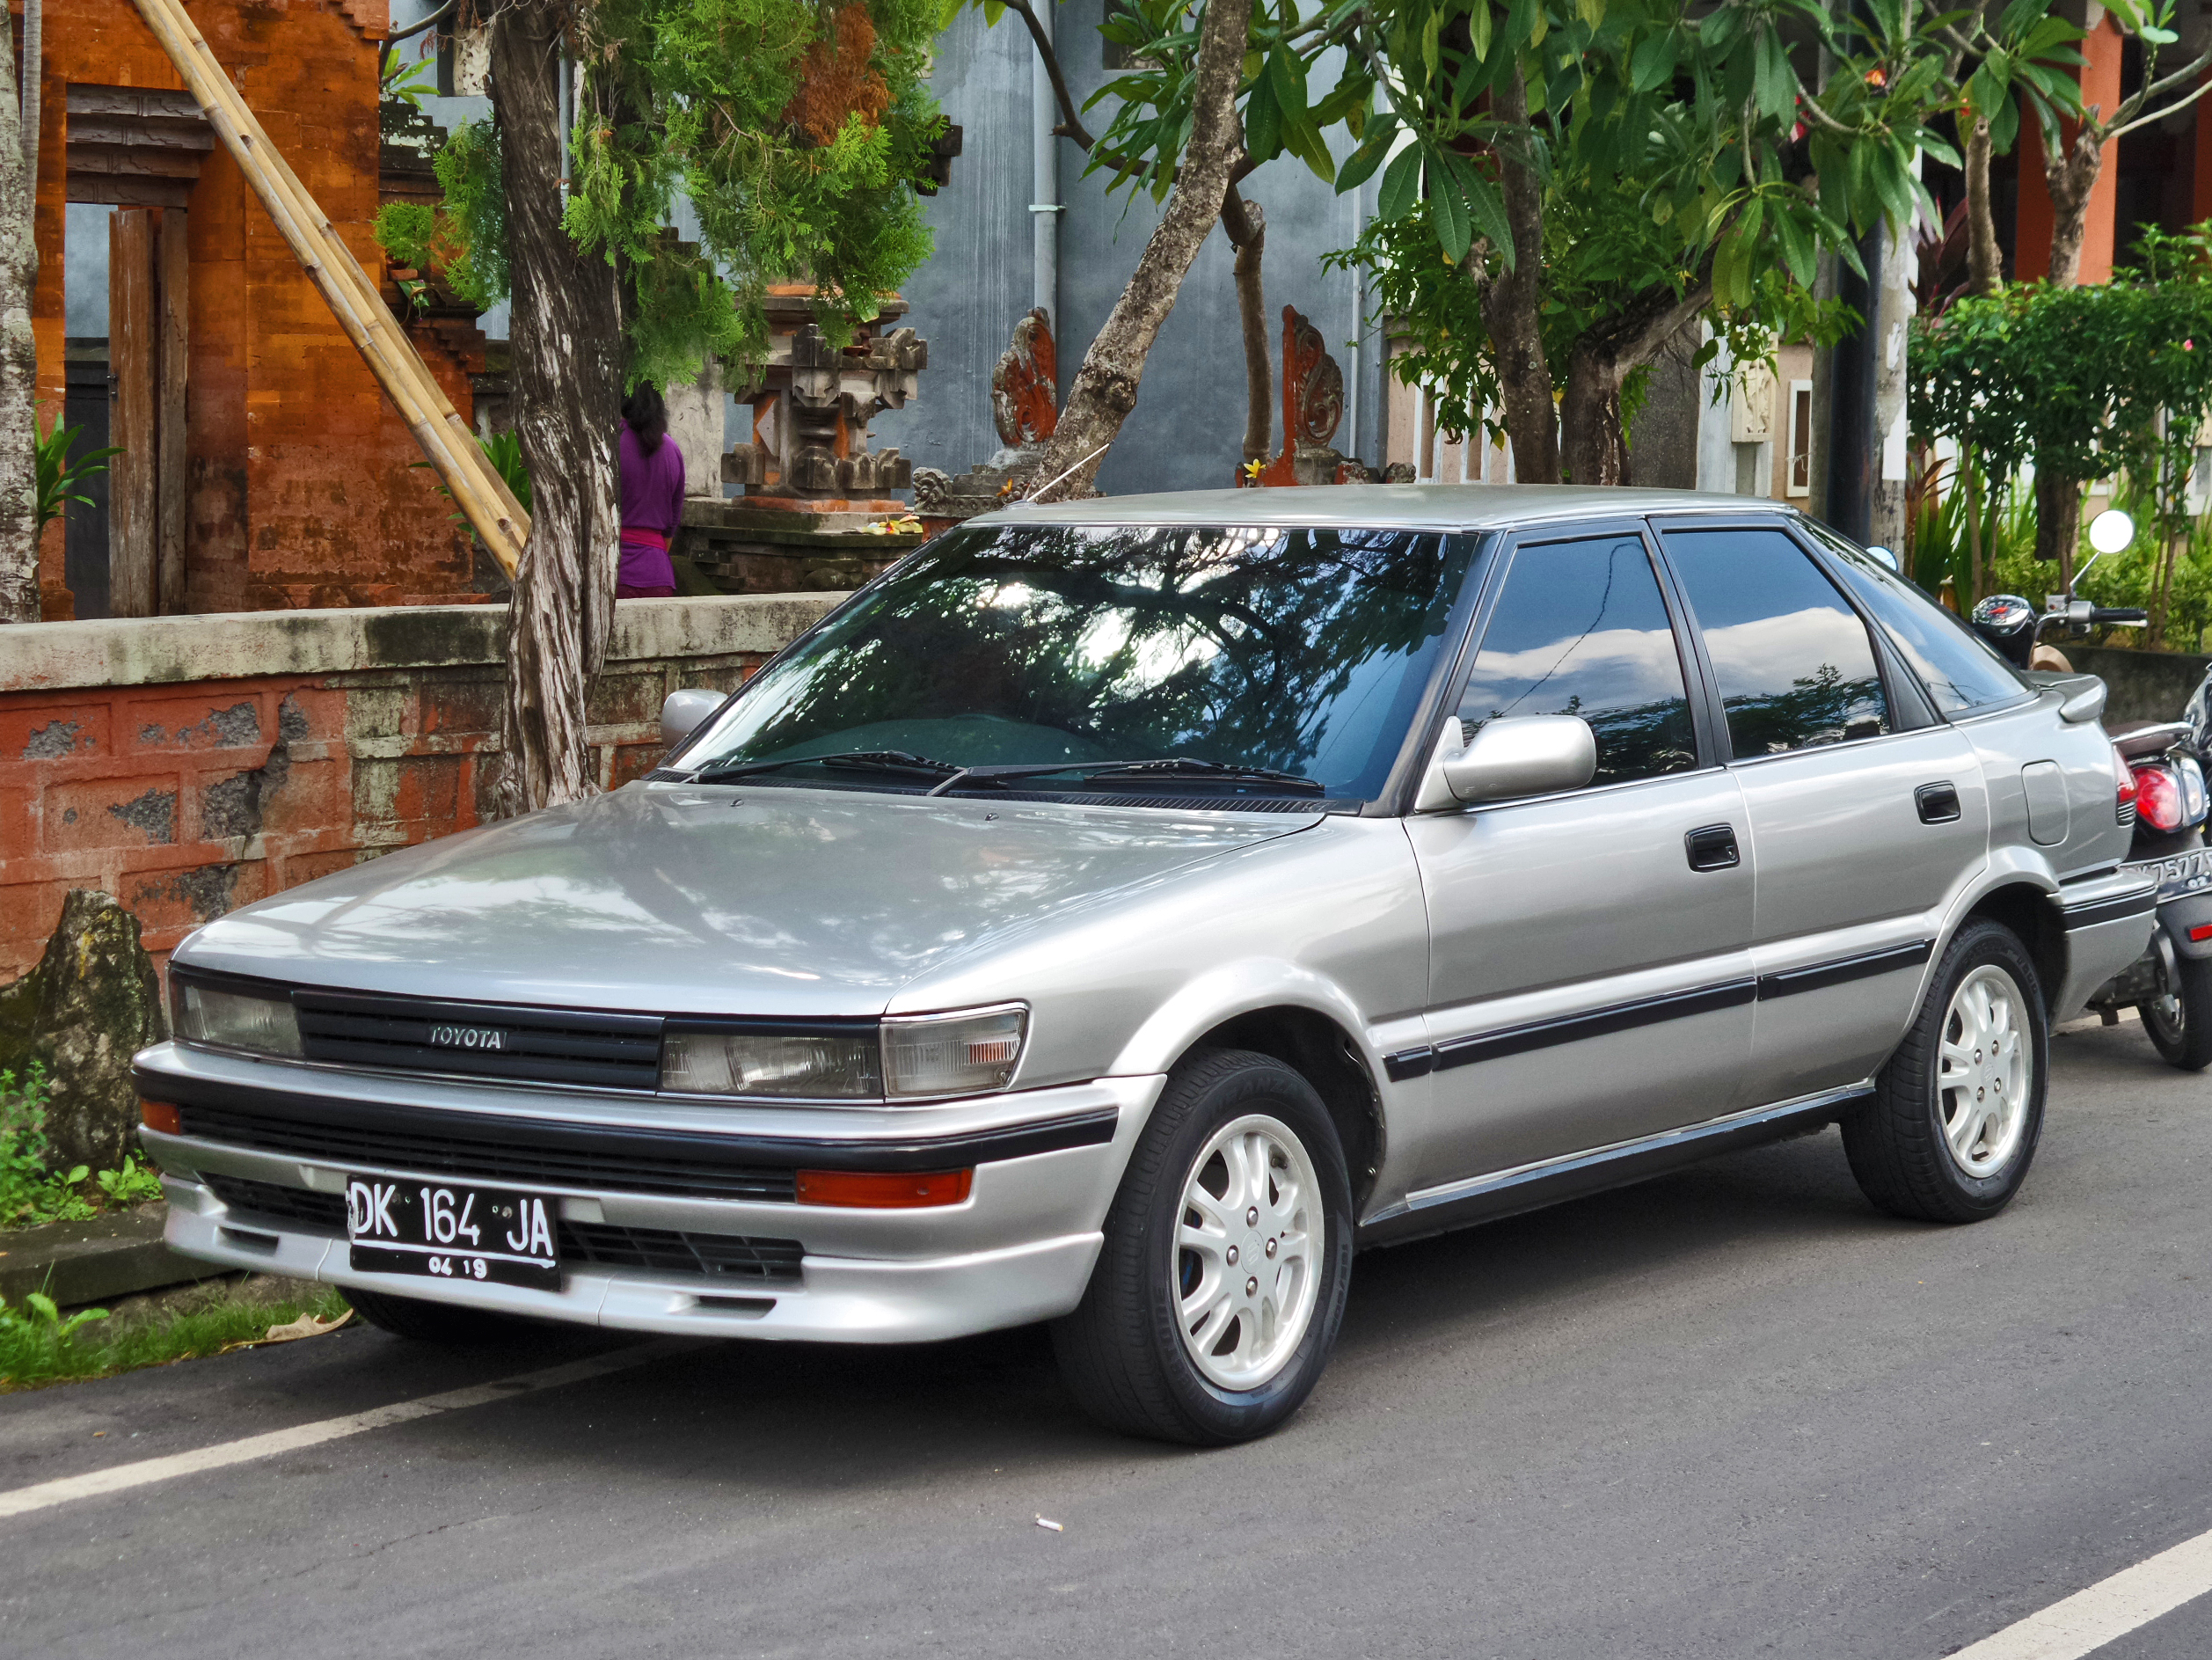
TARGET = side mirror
x,y
1887,559
682,713
1527,755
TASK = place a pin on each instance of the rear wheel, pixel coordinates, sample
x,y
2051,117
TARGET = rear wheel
x,y
441,1323
1956,1113
1228,1253
2179,1017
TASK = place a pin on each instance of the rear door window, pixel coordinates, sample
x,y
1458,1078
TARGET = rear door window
x,y
1581,629
1795,663
1959,668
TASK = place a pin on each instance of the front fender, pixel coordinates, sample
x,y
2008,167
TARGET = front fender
x,y
1230,989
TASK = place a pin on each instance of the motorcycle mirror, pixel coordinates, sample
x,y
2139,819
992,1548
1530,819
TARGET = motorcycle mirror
x,y
2008,623
1887,559
2111,531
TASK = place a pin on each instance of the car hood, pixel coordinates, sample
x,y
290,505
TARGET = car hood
x,y
685,899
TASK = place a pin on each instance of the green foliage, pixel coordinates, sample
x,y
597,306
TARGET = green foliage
x,y
62,476
796,130
31,1191
504,452
38,1345
412,82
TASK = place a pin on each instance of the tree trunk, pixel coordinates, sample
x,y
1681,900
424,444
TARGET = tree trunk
x,y
1510,309
2071,179
33,82
2058,522
1594,448
1985,261
1104,388
1978,586
18,367
1251,237
566,336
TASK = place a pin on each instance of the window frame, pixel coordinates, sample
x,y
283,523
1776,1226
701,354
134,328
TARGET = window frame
x,y
1498,571
1909,707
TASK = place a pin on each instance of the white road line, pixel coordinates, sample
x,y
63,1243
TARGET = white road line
x,y
2109,1609
23,1500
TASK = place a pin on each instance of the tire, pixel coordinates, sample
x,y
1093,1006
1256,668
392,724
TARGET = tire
x,y
1125,1353
422,1321
2180,1022
1898,1143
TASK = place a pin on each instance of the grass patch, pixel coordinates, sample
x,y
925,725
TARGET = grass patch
x,y
39,1345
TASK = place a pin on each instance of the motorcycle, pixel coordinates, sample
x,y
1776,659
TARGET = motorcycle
x,y
2171,984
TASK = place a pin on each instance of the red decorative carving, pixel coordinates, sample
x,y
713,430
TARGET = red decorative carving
x,y
1025,384
1312,402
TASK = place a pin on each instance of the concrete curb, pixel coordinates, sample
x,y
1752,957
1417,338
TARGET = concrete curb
x,y
110,1256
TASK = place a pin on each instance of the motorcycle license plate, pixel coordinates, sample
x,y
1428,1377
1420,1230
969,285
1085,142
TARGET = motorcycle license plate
x,y
2181,874
451,1231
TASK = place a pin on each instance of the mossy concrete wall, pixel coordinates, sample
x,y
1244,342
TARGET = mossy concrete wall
x,y
2140,686
190,764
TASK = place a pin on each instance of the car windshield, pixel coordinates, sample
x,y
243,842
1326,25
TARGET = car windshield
x,y
1296,652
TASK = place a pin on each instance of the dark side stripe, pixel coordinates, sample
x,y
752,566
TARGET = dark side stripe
x,y
2127,905
1674,1005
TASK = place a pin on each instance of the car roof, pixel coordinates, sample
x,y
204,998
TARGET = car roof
x,y
1437,507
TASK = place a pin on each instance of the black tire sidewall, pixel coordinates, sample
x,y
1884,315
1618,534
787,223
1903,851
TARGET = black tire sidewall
x,y
1270,1087
2191,1051
1987,945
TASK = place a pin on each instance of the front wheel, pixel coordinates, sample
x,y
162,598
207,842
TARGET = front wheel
x,y
2179,1017
1228,1252
1956,1113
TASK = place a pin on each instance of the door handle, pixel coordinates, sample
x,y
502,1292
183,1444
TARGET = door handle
x,y
1712,848
1939,803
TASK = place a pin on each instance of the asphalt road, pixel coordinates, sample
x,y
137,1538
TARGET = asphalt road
x,y
1731,1412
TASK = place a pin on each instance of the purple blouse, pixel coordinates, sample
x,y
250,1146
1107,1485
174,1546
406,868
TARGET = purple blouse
x,y
652,499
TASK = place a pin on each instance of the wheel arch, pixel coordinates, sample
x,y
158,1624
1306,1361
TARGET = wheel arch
x,y
1325,1054
2024,905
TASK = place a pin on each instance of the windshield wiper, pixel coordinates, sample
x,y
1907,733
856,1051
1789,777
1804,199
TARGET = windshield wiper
x,y
1180,766
857,760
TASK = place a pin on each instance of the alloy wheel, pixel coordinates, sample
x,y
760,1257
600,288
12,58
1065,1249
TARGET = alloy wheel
x,y
1249,1247
1984,1072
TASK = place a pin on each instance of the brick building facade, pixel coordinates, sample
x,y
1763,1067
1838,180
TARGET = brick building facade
x,y
292,481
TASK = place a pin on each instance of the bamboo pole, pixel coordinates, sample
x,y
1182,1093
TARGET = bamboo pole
x,y
490,509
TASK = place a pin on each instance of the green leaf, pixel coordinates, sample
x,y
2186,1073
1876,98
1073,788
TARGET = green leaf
x,y
1652,61
1428,42
1447,207
1401,184
1775,84
1797,249
1263,122
1360,166
1479,28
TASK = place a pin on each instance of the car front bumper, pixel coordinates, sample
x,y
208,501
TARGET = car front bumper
x,y
1019,1248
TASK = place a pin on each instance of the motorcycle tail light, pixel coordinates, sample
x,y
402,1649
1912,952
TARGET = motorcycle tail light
x,y
2158,798
2126,805
2194,803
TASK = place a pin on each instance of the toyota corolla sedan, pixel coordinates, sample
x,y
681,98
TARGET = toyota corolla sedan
x,y
1119,913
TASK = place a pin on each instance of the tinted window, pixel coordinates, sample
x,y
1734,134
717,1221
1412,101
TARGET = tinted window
x,y
1957,665
1795,665
1580,629
1302,651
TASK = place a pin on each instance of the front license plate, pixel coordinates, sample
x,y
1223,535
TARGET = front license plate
x,y
451,1231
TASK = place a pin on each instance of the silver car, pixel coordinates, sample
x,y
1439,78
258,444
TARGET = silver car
x,y
1119,913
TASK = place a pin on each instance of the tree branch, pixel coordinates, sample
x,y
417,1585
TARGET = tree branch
x,y
1071,125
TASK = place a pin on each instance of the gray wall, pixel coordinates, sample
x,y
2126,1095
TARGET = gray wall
x,y
1185,431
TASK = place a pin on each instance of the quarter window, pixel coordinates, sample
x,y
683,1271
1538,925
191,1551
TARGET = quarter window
x,y
1795,666
1581,629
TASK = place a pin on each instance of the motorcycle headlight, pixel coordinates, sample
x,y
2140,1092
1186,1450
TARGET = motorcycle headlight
x,y
903,1058
232,1018
974,1050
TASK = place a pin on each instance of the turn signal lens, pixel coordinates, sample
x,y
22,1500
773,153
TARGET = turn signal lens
x,y
953,1054
877,1190
2158,798
161,1115
2127,804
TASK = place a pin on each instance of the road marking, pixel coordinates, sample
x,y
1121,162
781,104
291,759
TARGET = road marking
x,y
2109,1609
44,1496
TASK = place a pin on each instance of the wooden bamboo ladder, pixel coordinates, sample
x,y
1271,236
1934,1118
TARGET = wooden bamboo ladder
x,y
483,495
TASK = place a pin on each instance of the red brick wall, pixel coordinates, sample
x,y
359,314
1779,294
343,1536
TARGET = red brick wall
x,y
187,797
302,488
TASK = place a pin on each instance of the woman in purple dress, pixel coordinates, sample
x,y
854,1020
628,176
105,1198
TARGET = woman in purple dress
x,y
652,498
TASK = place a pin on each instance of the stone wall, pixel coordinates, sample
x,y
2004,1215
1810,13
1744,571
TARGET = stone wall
x,y
2143,685
191,764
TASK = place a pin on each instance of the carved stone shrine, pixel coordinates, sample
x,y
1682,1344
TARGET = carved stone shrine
x,y
812,483
1025,409
1313,407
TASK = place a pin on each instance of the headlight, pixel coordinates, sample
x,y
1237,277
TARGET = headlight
x,y
953,1054
903,1058
826,1065
235,1020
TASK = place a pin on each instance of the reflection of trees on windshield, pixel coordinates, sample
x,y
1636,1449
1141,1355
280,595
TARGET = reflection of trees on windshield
x,y
1288,649
1819,708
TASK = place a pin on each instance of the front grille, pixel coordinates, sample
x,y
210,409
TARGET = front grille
x,y
498,1151
714,1256
481,1040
